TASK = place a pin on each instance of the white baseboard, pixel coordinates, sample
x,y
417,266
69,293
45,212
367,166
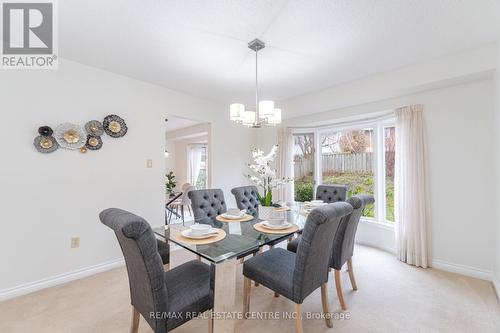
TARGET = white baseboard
x,y
378,246
58,279
496,286
474,272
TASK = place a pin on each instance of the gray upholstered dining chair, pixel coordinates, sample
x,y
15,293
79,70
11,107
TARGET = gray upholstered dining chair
x,y
297,275
331,193
246,198
165,300
343,244
207,203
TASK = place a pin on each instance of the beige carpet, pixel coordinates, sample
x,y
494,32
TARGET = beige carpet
x,y
392,297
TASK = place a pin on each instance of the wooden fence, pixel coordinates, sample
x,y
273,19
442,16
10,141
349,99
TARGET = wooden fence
x,y
360,162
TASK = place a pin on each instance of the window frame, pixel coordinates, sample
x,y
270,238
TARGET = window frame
x,y
378,126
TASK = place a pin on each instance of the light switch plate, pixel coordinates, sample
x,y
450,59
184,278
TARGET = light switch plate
x,y
149,164
75,242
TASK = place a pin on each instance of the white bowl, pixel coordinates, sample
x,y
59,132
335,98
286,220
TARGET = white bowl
x,y
200,229
276,222
316,202
233,211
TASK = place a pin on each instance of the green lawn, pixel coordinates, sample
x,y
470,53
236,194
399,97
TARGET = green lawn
x,y
358,183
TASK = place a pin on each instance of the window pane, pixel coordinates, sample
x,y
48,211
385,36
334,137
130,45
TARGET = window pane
x,y
303,158
347,159
390,153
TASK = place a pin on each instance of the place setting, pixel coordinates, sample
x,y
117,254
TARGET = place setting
x,y
275,226
310,205
198,234
234,215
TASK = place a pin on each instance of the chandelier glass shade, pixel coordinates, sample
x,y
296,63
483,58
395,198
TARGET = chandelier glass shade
x,y
265,112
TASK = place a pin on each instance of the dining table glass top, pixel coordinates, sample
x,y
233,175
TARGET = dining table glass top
x,y
241,237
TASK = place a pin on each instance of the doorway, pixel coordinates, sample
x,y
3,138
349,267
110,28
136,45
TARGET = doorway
x,y
187,165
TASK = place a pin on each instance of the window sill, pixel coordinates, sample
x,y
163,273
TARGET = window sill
x,y
382,225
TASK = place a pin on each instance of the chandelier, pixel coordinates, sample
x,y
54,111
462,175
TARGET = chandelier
x,y
265,113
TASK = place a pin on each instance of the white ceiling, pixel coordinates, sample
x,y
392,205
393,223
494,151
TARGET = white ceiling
x,y
175,123
200,46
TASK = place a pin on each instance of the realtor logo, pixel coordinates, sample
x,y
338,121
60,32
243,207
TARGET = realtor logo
x,y
28,35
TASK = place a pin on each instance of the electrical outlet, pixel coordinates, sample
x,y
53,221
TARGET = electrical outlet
x,y
75,242
149,164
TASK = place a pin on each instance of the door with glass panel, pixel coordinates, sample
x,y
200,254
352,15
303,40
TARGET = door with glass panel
x,y
197,161
347,159
304,166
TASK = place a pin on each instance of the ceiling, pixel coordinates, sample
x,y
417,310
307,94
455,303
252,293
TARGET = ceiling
x,y
175,123
200,46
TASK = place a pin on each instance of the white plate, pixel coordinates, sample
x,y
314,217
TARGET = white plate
x,y
233,217
285,225
187,233
314,205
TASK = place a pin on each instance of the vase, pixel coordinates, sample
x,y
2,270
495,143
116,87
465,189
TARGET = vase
x,y
266,213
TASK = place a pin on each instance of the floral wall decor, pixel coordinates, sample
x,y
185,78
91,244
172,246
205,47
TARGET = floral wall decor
x,y
75,137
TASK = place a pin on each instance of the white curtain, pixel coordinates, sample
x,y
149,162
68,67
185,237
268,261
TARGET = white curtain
x,y
411,188
194,163
284,164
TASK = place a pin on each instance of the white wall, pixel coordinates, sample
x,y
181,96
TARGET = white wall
x,y
47,199
497,154
460,134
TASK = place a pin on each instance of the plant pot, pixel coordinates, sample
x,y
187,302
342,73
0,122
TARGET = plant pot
x,y
266,213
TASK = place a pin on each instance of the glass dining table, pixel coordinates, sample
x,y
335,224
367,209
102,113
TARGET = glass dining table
x,y
241,239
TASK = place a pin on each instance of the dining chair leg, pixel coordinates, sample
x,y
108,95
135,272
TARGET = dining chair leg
x,y
351,274
326,308
340,295
211,322
298,318
182,214
134,327
276,294
247,284
257,253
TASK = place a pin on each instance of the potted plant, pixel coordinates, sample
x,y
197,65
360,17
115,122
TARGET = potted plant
x,y
264,177
170,183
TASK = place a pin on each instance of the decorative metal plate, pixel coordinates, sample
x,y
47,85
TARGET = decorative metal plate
x,y
114,126
45,144
94,128
70,136
93,142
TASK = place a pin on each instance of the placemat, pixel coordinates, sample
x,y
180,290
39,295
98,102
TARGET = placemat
x,y
260,228
177,236
245,218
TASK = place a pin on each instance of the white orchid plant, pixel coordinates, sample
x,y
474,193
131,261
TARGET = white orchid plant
x,y
264,176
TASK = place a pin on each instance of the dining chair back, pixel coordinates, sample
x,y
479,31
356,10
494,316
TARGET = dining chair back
x,y
163,308
297,275
343,245
148,291
246,198
207,203
314,251
331,193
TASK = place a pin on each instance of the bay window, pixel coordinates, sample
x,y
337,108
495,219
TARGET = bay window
x,y
360,155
